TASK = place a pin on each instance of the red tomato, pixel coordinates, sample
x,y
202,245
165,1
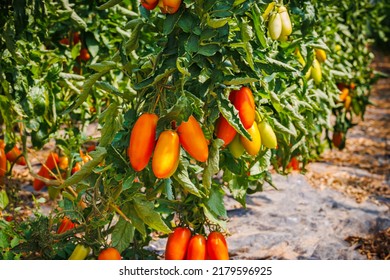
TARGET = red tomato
x,y
294,164
225,131
192,139
66,224
109,254
14,154
51,162
177,244
216,246
337,139
76,167
142,141
245,104
84,54
166,155
149,4
196,249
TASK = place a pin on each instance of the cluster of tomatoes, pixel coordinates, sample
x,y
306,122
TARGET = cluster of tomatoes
x,y
55,165
166,151
13,156
181,245
279,23
84,54
345,94
166,6
315,71
260,131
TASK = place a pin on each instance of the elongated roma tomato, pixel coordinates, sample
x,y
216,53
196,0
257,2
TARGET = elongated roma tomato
x,y
3,163
51,162
275,26
236,147
196,249
176,248
286,22
109,254
225,131
245,104
192,139
216,246
343,95
142,141
66,224
149,4
316,72
80,252
166,155
252,147
267,134
347,104
15,155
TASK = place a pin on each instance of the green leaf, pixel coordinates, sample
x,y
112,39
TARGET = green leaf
x,y
3,200
146,211
39,100
103,66
181,175
171,21
235,81
214,218
109,4
136,221
215,202
281,65
238,189
123,232
208,50
212,163
97,156
112,118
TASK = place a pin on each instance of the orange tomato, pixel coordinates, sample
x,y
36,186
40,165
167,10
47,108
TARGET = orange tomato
x,y
196,249
109,254
15,155
76,167
149,4
142,141
51,162
225,131
176,248
192,139
169,6
3,163
245,104
347,104
252,147
216,246
166,155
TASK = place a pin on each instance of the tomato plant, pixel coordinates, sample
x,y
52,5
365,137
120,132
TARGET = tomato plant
x,y
180,95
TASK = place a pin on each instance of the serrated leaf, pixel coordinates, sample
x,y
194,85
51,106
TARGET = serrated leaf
x,y
136,221
212,163
97,156
215,202
181,175
238,190
234,81
146,211
68,76
281,65
214,218
123,232
103,66
112,118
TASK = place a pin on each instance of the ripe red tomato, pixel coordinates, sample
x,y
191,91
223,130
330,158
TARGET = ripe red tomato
x,y
294,164
76,37
166,154
149,4
109,254
169,6
216,246
51,162
142,141
245,104
225,131
14,155
196,249
252,147
337,139
192,139
3,163
177,244
84,54
66,224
